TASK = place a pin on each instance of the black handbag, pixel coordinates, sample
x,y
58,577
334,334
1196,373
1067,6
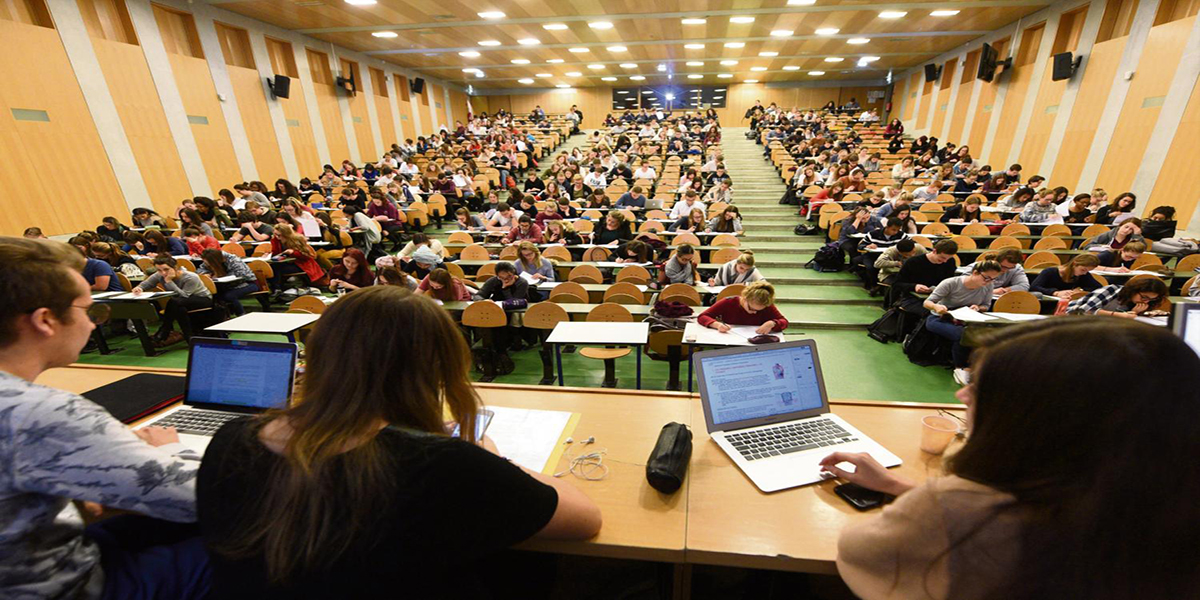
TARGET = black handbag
x,y
668,462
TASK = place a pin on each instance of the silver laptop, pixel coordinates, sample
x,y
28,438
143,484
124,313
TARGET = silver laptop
x,y
652,204
227,379
766,407
1185,322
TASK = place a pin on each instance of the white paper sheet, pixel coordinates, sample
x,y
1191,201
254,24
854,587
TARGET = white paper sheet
x,y
1017,316
1156,321
613,264
225,279
527,276
143,296
966,315
101,295
525,436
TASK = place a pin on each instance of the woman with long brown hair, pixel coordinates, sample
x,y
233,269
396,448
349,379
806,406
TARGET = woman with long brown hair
x,y
217,264
358,491
286,243
439,284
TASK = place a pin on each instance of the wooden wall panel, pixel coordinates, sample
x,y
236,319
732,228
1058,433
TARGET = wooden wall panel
x,y
1176,185
926,100
29,12
387,129
944,83
256,118
108,20
458,105
910,103
966,87
1098,76
405,127
327,105
178,32
300,130
195,84
1160,57
359,116
53,174
1014,100
1050,93
420,104
439,105
987,101
145,124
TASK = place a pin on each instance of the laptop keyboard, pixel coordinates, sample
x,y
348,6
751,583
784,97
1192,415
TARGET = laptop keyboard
x,y
197,422
786,439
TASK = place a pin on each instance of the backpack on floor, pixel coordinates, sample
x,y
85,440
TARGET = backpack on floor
x,y
828,259
925,348
888,328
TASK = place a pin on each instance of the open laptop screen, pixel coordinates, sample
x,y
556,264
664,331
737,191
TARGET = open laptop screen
x,y
760,382
1187,323
240,373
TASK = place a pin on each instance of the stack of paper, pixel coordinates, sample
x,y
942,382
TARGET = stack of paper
x,y
528,437
967,315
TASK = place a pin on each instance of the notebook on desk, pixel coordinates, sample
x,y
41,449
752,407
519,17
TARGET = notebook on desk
x,y
766,407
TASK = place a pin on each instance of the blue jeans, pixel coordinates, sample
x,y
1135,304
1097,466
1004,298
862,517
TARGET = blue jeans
x,y
149,559
232,296
959,354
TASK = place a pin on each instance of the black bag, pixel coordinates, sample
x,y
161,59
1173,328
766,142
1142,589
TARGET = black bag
x,y
668,462
888,328
789,197
925,348
803,229
829,259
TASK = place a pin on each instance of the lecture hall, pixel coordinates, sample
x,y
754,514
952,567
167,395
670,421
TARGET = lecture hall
x,y
763,300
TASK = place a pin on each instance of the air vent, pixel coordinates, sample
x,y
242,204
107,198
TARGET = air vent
x,y
309,3
444,18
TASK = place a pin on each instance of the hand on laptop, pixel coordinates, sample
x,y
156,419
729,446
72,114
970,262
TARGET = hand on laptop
x,y
867,472
158,436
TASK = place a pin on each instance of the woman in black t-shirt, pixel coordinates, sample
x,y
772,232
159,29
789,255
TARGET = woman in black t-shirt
x,y
359,491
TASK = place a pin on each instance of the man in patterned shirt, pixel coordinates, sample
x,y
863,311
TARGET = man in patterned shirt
x,y
56,447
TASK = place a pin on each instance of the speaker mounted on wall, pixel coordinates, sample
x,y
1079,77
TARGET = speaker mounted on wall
x,y
932,72
281,85
1065,65
418,86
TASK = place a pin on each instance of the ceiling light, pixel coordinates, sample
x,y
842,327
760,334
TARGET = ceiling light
x,y
695,76
520,61
596,67
792,68
834,59
943,13
600,25
782,33
489,43
360,2
554,26
751,81
525,81
695,63
574,74
816,73
479,73
858,41
741,19
385,34
469,70
892,14
616,48
580,50
827,31
729,63
638,78
555,61
608,79
694,46
801,2
563,86
768,54
725,75
694,21
662,67
622,91
868,59
628,66
469,54
529,41
758,68
544,75
492,15
735,44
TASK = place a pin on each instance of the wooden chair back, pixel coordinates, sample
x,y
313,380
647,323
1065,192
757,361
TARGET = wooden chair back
x,y
935,229
923,241
634,274
557,253
474,252
1004,242
582,226
685,238
1018,302
1015,229
1042,257
610,312
1094,230
460,237
485,272
1050,243
596,254
1056,229
545,315
964,242
585,274
976,229
731,290
484,314
234,249
625,288
683,290
310,304
508,253
1188,263
725,255
725,239
1146,260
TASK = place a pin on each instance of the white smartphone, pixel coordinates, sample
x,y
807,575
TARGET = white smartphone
x,y
482,419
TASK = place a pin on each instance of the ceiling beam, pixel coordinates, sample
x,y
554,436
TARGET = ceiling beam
x,y
881,6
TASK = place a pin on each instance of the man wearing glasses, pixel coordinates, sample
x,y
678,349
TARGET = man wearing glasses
x,y
56,447
973,290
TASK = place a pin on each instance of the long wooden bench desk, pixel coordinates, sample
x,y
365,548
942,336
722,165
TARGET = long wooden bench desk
x,y
718,517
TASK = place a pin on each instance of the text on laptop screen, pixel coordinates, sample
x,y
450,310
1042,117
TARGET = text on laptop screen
x,y
1190,329
236,375
761,384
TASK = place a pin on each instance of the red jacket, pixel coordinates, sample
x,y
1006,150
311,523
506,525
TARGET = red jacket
x,y
206,242
729,311
307,264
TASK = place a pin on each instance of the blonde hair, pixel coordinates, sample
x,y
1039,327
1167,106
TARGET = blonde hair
x,y
760,292
537,254
746,258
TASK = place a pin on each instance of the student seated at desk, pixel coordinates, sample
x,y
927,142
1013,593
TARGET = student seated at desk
x,y
158,244
111,230
190,294
633,251
441,285
972,291
189,218
394,276
251,228
197,242
506,285
1012,275
60,447
216,264
690,222
467,221
286,243
1126,301
755,307
420,240
1076,209
890,261
423,262
548,213
1017,512
615,230
530,260
504,218
738,270
560,232
358,491
633,199
681,267
1127,232
1041,210
966,211
353,272
883,237
729,221
1120,261
144,217
1123,203
525,230
1065,280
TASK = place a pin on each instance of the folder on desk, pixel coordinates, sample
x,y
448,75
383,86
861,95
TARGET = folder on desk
x,y
137,396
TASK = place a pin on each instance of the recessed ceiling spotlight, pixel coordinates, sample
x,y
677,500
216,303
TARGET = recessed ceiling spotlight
x,y
638,78
694,21
758,68
616,48
360,2
600,25
782,33
751,81
725,75
694,46
662,67
555,61
858,41
695,76
628,66
827,31
741,20
544,75
695,63
580,50
563,86
892,14
469,54
801,2
385,34
492,15
729,63
574,74
489,43
792,68
944,13
520,61
479,73
525,81
768,54
469,70
608,79
529,41
596,67
816,73
735,44
868,59
554,26
834,59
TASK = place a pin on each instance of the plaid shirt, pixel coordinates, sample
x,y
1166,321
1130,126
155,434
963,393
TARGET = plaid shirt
x,y
1094,301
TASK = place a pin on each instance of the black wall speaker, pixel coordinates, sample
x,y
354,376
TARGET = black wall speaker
x,y
418,86
931,72
281,86
1065,65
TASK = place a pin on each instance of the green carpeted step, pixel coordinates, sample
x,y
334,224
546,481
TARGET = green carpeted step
x,y
823,313
826,293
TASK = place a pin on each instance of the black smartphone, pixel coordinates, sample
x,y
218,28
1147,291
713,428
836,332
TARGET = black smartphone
x,y
860,497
